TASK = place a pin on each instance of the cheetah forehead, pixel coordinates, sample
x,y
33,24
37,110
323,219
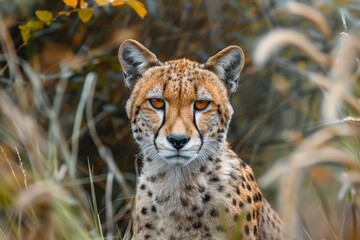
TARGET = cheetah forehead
x,y
183,80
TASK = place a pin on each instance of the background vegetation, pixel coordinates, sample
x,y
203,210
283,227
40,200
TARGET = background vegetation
x,y
67,159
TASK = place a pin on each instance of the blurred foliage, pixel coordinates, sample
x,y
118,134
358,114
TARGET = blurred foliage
x,y
275,107
83,10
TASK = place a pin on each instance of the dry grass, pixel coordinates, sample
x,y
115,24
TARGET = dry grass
x,y
330,154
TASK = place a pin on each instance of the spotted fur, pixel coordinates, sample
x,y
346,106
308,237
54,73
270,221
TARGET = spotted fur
x,y
198,189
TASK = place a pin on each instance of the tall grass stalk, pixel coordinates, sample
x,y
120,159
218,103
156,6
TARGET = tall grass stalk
x,y
321,149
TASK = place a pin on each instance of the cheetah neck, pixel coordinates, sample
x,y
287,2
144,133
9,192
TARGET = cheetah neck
x,y
176,184
181,197
167,179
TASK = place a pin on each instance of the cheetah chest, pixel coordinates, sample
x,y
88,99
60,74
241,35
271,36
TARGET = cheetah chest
x,y
201,205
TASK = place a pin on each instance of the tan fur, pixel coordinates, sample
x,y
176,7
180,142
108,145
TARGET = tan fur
x,y
204,191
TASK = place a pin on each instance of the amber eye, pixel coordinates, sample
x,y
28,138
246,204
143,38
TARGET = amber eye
x,y
157,103
201,104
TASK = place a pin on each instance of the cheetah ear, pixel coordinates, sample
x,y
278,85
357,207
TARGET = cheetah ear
x,y
135,59
227,65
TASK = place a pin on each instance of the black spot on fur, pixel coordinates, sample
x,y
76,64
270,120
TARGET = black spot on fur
x,y
152,178
153,208
184,202
247,230
206,198
214,213
248,217
214,179
197,225
148,226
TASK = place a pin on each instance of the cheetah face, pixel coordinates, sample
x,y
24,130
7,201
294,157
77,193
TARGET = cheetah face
x,y
179,110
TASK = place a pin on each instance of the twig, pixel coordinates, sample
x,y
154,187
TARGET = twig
x,y
22,167
109,206
104,152
10,166
89,80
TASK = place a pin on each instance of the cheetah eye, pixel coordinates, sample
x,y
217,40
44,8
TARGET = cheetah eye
x,y
201,104
157,103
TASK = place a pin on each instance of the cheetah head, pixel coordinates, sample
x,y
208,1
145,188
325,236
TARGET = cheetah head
x,y
179,110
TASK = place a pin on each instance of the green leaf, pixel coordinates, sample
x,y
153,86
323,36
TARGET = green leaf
x,y
44,16
85,14
138,7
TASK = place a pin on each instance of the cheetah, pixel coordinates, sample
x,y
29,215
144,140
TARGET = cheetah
x,y
192,185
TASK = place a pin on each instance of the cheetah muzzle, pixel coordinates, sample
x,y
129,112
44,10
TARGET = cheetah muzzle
x,y
192,185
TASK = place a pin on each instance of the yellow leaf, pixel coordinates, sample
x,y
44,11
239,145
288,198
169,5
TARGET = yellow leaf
x,y
102,2
25,33
71,3
83,4
35,25
117,3
23,26
138,7
44,16
85,14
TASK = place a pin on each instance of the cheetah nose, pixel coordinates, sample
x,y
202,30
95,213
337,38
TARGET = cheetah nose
x,y
178,141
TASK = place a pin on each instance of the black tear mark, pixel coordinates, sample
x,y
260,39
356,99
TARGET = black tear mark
x,y
200,135
157,132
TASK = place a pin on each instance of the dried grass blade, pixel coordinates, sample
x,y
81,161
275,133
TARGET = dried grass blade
x,y
310,13
279,38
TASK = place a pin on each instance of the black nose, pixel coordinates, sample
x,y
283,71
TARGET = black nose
x,y
178,141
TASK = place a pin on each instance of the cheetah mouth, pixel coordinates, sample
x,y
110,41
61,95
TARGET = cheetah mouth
x,y
178,159
178,156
